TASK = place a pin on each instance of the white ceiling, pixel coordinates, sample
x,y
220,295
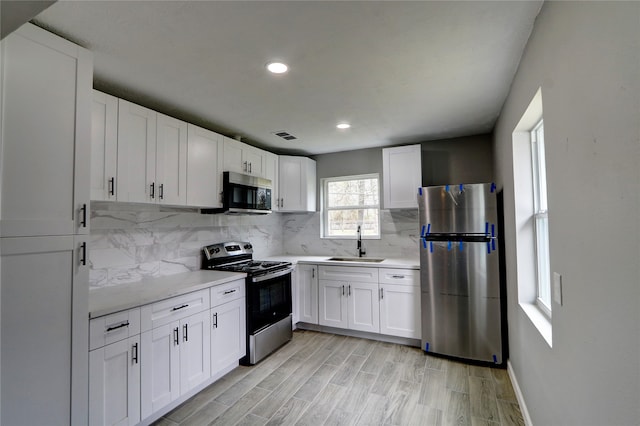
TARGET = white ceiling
x,y
399,72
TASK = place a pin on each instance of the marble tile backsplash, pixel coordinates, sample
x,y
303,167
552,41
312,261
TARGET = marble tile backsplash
x,y
132,241
399,239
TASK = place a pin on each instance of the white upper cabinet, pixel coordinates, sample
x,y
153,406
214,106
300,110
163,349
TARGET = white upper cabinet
x,y
46,133
171,161
401,176
242,158
271,167
204,167
152,156
297,184
104,146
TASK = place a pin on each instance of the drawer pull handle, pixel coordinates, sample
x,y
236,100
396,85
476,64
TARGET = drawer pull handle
x,y
134,353
397,276
177,308
176,340
115,327
230,291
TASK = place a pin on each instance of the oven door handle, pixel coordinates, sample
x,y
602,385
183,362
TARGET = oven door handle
x,y
271,275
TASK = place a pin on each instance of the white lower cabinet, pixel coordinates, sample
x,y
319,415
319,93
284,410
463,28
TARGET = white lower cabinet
x,y
228,342
400,310
307,292
332,303
363,307
176,359
114,383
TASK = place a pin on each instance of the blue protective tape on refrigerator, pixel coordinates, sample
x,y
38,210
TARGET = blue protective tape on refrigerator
x,y
461,245
495,359
493,229
424,243
430,246
426,347
461,187
493,186
428,228
422,232
420,191
493,245
488,247
449,246
486,228
446,188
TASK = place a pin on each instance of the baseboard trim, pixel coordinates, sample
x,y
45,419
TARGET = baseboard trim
x,y
519,396
362,334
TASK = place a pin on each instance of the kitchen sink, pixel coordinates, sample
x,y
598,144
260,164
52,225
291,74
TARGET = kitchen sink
x,y
356,259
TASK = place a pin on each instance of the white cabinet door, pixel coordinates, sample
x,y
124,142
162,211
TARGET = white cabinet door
x,y
171,161
254,158
46,133
364,307
160,367
45,332
233,153
401,176
204,167
400,310
297,184
307,286
195,350
104,146
114,384
136,153
228,334
332,302
271,173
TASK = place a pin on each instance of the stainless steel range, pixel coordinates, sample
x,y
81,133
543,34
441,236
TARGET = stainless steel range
x,y
268,295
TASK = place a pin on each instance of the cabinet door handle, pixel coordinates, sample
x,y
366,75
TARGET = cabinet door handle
x,y
134,353
244,166
83,258
249,167
381,293
83,221
349,294
161,190
175,336
343,290
215,320
313,272
281,202
177,308
112,186
153,190
185,332
115,327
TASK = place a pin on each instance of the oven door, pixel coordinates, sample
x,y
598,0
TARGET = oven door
x,y
269,300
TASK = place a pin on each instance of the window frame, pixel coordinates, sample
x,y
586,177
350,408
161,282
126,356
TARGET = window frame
x,y
540,218
325,209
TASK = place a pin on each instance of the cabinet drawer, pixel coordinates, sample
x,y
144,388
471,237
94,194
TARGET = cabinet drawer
x,y
113,328
348,273
224,293
399,276
176,308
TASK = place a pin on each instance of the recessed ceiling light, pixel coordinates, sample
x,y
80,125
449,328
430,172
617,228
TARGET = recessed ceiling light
x,y
343,125
277,67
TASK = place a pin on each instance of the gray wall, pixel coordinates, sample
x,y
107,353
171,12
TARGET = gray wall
x,y
586,58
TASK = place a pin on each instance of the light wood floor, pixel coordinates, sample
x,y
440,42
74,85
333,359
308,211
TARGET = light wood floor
x,y
326,379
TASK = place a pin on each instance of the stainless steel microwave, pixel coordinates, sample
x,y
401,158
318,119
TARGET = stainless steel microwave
x,y
244,194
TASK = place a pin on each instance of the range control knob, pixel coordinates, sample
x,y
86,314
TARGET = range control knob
x,y
248,246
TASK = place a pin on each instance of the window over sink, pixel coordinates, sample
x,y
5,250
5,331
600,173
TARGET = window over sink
x,y
349,202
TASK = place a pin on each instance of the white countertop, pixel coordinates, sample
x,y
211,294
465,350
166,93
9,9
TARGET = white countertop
x,y
388,262
107,300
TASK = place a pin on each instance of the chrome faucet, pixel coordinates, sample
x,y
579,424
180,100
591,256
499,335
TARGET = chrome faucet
x,y
361,251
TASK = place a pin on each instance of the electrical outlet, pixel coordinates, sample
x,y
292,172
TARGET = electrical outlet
x,y
557,288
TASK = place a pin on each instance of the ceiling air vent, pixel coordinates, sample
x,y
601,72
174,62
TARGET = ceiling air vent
x,y
284,135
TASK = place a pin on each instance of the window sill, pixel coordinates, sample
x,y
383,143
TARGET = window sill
x,y
539,320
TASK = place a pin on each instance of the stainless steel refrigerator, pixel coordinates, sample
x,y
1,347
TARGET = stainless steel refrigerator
x,y
460,273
